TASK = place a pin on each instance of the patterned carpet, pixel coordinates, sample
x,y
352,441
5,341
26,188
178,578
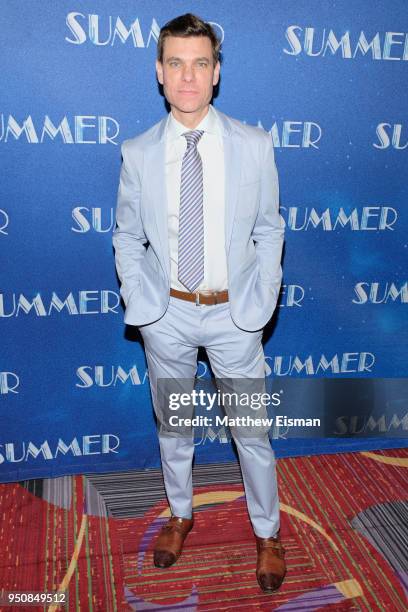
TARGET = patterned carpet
x,y
344,527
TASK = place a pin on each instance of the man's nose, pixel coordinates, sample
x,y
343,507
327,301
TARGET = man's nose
x,y
188,73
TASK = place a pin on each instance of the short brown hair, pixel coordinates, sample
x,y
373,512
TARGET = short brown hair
x,y
185,26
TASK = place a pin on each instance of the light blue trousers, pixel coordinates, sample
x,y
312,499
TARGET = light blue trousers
x,y
171,346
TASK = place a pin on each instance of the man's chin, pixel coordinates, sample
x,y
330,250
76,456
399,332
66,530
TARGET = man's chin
x,y
188,108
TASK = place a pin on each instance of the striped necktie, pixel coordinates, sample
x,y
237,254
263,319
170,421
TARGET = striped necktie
x,y
191,219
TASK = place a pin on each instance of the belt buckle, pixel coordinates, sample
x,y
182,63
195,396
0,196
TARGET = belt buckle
x,y
214,294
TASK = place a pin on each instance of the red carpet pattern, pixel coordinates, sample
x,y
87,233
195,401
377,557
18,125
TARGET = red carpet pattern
x,y
344,525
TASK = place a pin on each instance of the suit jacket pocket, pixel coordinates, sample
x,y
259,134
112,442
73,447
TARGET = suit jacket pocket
x,y
251,182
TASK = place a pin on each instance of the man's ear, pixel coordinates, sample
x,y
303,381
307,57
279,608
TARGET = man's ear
x,y
216,76
159,71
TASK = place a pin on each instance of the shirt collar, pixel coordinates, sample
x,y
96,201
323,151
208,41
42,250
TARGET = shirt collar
x,y
209,124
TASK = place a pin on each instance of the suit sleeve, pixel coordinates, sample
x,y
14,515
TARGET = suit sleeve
x,y
128,236
268,232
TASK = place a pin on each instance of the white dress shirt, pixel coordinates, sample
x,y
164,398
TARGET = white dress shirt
x,y
211,150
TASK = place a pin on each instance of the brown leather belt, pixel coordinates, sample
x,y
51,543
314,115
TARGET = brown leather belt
x,y
209,298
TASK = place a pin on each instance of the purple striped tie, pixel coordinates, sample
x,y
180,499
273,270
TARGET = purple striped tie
x,y
191,219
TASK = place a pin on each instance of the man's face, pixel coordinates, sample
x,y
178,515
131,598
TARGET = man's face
x,y
187,73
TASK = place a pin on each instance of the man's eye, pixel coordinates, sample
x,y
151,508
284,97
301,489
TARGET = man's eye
x,y
202,64
174,63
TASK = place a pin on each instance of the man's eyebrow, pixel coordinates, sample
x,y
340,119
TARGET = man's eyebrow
x,y
178,59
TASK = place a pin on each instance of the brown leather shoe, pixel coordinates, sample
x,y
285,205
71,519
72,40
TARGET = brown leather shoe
x,y
169,543
271,566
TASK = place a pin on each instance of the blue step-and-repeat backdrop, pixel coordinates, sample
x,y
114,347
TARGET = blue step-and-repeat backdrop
x,y
328,81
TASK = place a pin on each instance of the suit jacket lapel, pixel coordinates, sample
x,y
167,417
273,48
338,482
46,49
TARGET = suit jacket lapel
x,y
232,160
155,178
232,171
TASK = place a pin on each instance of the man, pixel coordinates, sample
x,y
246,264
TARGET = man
x,y
202,190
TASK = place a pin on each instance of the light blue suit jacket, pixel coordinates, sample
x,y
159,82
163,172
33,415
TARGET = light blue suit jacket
x,y
253,227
